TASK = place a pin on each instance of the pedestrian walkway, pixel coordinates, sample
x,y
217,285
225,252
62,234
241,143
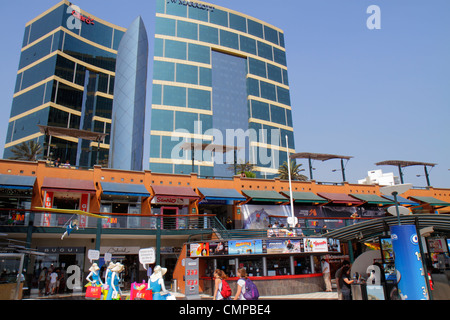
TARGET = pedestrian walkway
x,y
301,296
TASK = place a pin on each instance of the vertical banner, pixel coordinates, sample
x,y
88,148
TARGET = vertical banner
x,y
408,262
84,205
48,203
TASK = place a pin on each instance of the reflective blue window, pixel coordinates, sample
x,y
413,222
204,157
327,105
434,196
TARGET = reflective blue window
x,y
209,34
159,47
199,99
162,120
186,121
187,30
278,115
30,99
265,51
156,94
155,143
238,22
165,26
279,56
174,96
270,34
176,9
205,77
229,39
274,73
187,73
260,110
175,49
38,72
49,22
163,70
197,14
289,118
281,35
285,77
255,28
98,33
257,67
118,34
219,17
268,91
36,52
283,96
160,6
248,44
253,87
199,53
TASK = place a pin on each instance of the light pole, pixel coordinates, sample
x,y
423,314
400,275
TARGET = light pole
x,y
292,218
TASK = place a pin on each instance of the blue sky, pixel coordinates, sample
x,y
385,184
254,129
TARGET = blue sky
x,y
372,94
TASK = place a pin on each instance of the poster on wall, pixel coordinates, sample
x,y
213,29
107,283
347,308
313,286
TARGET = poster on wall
x,y
245,247
284,246
199,249
316,244
258,216
218,248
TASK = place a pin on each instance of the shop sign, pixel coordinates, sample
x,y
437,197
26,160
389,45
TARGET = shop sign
x,y
79,16
170,200
193,4
61,250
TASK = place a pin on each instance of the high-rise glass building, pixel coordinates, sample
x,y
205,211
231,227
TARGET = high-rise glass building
x,y
220,92
66,80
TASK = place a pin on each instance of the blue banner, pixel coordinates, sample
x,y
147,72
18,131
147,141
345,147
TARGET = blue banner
x,y
408,263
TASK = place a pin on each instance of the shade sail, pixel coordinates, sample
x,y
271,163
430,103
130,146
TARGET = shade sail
x,y
176,192
432,201
16,182
68,185
221,194
372,199
402,201
340,198
124,189
305,197
264,195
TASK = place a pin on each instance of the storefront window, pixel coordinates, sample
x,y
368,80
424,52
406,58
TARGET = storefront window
x,y
253,266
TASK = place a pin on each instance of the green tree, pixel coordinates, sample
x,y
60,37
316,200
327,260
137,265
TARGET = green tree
x,y
243,167
26,151
283,172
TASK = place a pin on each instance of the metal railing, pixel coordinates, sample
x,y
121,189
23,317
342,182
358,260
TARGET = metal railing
x,y
205,223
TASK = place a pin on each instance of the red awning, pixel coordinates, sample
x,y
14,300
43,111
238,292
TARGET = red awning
x,y
175,192
68,185
340,198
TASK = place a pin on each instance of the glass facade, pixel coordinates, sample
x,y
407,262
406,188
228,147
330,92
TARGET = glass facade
x,y
65,79
219,77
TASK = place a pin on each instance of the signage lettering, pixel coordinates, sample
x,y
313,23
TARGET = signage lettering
x,y
193,4
82,18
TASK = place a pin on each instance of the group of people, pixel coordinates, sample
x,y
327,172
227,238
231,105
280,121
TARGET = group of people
x,y
57,163
222,290
51,281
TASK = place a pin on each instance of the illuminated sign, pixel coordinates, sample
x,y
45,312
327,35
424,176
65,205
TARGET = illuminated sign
x,y
82,18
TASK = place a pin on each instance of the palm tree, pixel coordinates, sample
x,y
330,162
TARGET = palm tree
x,y
242,167
26,151
283,172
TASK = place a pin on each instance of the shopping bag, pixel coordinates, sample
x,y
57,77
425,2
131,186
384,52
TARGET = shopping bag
x,y
93,292
139,292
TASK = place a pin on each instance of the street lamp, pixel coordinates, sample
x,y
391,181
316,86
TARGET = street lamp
x,y
394,191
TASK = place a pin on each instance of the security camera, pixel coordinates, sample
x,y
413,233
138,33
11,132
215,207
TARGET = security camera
x,y
426,232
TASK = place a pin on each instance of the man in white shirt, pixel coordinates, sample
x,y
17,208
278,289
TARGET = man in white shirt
x,y
326,275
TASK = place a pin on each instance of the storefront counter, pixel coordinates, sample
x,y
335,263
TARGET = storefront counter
x,y
275,285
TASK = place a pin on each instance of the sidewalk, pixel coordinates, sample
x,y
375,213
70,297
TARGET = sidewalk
x,y
303,296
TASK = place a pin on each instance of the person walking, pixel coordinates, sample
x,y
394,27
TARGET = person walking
x,y
220,284
242,273
346,283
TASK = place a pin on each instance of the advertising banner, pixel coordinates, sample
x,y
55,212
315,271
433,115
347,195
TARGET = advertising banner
x,y
245,247
408,263
316,245
284,246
